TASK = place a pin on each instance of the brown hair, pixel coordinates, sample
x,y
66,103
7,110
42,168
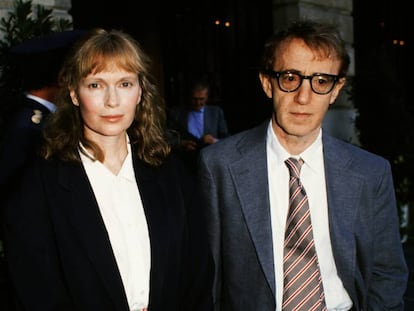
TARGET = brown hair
x,y
321,37
97,51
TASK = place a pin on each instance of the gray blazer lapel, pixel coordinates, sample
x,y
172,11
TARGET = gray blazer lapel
x,y
342,208
250,177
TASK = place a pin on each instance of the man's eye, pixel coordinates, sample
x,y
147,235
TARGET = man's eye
x,y
323,80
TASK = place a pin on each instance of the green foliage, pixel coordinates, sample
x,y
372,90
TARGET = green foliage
x,y
27,21
24,22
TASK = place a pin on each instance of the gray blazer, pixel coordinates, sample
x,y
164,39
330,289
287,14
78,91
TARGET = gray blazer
x,y
363,223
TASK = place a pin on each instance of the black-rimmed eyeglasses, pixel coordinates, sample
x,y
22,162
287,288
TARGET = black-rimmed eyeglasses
x,y
290,81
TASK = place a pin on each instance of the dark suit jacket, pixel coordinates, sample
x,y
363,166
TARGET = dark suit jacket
x,y
20,142
214,122
363,223
18,148
60,257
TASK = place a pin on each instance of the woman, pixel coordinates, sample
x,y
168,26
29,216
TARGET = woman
x,y
104,220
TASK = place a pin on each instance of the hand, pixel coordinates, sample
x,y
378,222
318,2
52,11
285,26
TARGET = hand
x,y
209,139
189,145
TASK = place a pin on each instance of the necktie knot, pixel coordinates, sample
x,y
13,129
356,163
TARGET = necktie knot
x,y
294,167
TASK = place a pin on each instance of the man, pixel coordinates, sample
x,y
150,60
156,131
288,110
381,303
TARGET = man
x,y
197,124
38,62
352,240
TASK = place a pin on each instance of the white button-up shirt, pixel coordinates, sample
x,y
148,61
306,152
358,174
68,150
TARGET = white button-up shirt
x,y
123,214
312,177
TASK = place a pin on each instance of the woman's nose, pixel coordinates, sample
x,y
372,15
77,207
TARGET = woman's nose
x,y
111,97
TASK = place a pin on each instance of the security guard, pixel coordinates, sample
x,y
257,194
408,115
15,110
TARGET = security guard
x,y
38,61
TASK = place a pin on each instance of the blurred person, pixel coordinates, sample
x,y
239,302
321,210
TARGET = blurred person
x,y
36,63
197,123
101,221
354,229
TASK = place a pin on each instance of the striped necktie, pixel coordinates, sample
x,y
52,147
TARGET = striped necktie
x,y
303,288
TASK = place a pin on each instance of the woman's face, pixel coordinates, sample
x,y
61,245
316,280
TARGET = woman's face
x,y
107,101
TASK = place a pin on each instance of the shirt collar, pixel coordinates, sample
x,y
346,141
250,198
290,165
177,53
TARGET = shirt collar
x,y
127,169
49,105
312,156
198,111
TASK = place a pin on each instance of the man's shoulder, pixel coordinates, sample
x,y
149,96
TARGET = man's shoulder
x,y
214,108
359,157
28,117
245,139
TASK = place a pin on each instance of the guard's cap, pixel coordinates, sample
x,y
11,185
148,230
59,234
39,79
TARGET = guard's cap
x,y
39,59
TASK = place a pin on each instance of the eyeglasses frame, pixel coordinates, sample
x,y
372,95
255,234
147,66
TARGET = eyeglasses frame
x,y
277,74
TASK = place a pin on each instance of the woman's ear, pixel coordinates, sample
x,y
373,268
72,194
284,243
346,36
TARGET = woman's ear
x,y
139,95
74,97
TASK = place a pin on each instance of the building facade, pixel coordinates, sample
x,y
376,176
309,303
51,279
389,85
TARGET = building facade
x,y
222,39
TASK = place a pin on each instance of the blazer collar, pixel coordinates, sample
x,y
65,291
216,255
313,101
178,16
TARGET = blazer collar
x,y
343,205
250,177
83,212
252,184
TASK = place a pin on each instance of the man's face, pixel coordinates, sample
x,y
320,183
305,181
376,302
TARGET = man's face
x,y
199,99
300,113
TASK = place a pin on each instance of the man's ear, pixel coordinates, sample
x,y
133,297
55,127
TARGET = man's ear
x,y
338,87
266,85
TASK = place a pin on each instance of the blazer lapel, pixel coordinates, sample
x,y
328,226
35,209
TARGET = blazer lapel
x,y
153,196
252,185
208,120
342,207
83,212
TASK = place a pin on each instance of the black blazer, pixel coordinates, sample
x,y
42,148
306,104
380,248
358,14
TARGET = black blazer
x,y
60,257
